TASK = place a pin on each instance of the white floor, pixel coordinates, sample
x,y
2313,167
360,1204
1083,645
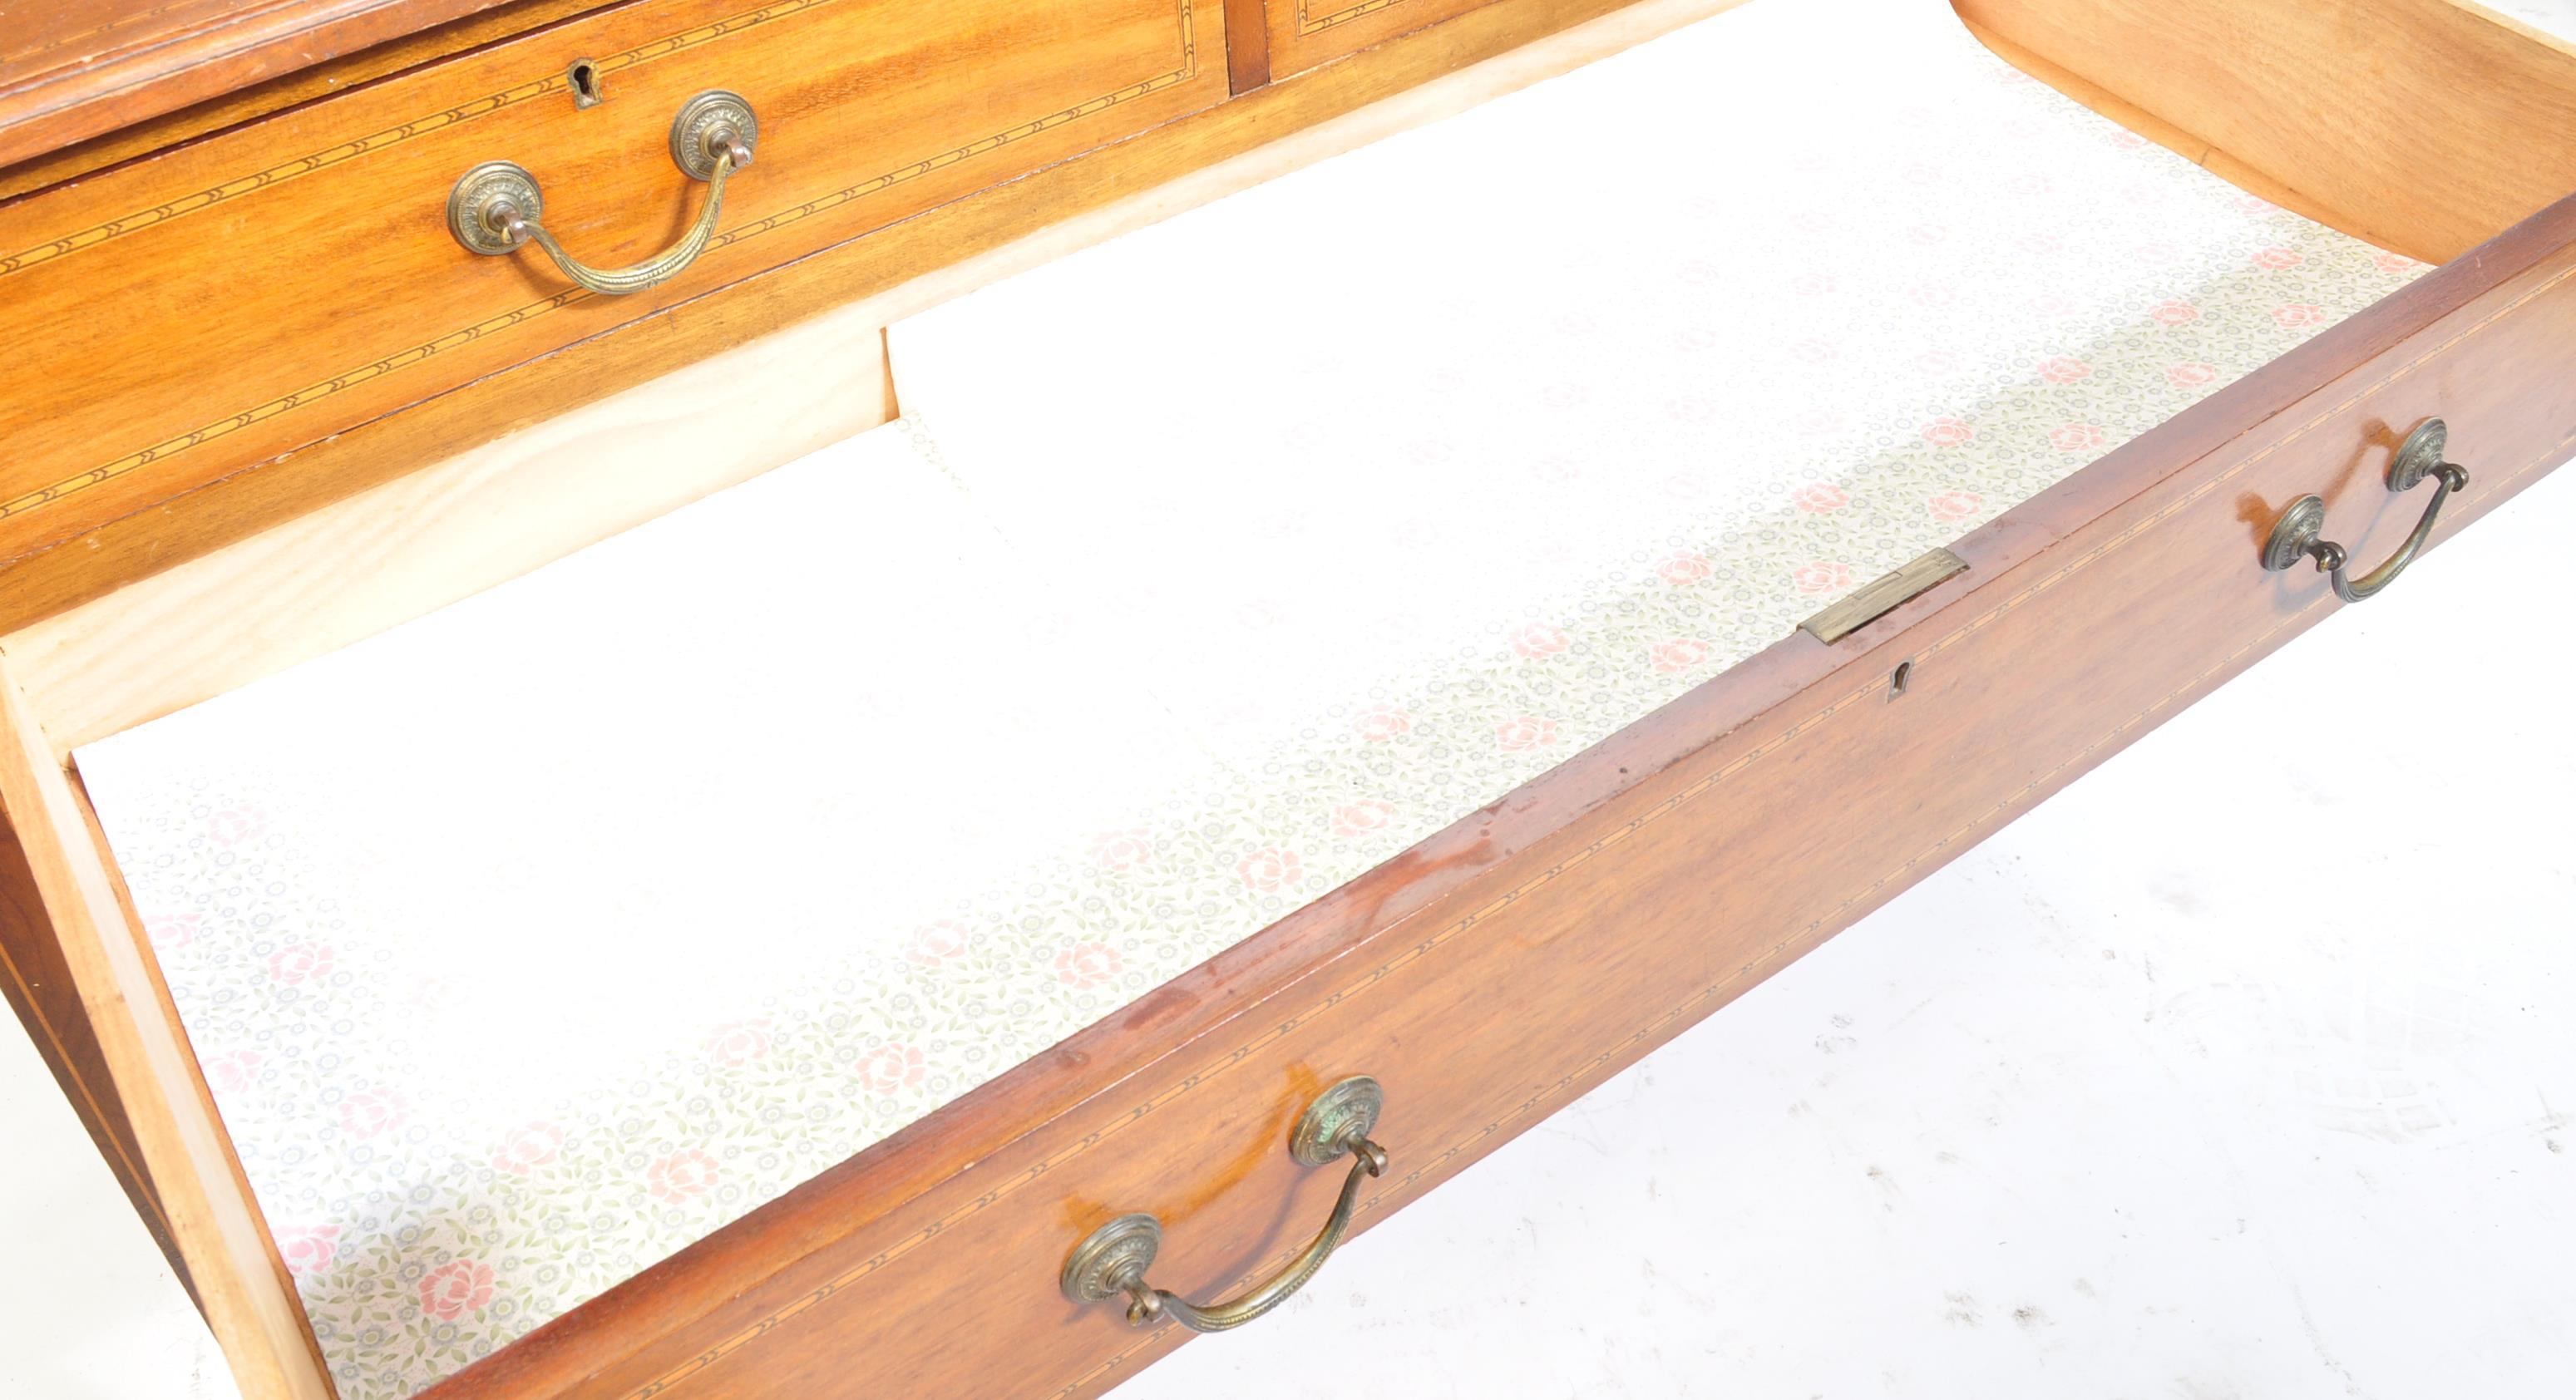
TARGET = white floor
x,y
2244,1068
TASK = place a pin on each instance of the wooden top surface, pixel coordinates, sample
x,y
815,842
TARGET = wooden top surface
x,y
71,70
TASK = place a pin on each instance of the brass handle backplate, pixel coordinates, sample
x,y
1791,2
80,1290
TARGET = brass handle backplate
x,y
495,207
2300,532
1111,1261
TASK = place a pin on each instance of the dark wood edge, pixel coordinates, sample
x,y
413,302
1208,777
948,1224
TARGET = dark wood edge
x,y
1247,44
85,924
38,987
1084,1077
351,72
173,531
40,582
1049,1089
162,73
167,1009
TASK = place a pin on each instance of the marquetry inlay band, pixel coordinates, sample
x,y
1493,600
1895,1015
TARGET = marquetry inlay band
x,y
1315,24
1278,1029
405,358
392,136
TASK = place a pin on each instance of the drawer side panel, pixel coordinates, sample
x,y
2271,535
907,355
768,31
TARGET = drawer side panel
x,y
1509,964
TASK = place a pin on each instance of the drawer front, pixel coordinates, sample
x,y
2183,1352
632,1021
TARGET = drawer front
x,y
180,318
1508,964
1303,33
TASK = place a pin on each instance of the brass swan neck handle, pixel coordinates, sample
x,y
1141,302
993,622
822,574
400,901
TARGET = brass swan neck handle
x,y
495,208
1111,1261
2300,532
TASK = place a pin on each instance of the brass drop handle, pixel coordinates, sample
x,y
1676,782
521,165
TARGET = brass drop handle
x,y
1111,1261
2300,532
495,207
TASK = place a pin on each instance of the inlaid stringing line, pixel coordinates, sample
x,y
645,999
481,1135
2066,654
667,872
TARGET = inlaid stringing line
x,y
1306,24
403,359
1565,1088
1281,1029
395,135
391,136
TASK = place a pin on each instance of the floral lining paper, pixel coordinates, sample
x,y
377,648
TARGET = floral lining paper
x,y
533,940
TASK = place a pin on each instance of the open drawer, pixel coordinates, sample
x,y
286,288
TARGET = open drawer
x,y
1480,975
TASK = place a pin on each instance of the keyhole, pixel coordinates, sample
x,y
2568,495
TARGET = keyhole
x,y
584,76
1898,679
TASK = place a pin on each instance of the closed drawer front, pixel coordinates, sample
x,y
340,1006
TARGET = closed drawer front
x,y
180,318
1505,966
1304,33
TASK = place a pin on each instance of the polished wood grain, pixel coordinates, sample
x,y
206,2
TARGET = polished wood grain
x,y
1247,44
399,549
1303,33
2426,126
418,543
72,69
1489,974
179,521
167,1114
36,982
390,553
143,138
290,279
255,470
1501,968
2164,133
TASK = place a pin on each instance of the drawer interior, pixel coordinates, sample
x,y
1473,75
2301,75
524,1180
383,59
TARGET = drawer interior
x,y
772,825
2426,126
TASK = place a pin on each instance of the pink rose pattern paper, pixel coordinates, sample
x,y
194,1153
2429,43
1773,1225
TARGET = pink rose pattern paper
x,y
423,1233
